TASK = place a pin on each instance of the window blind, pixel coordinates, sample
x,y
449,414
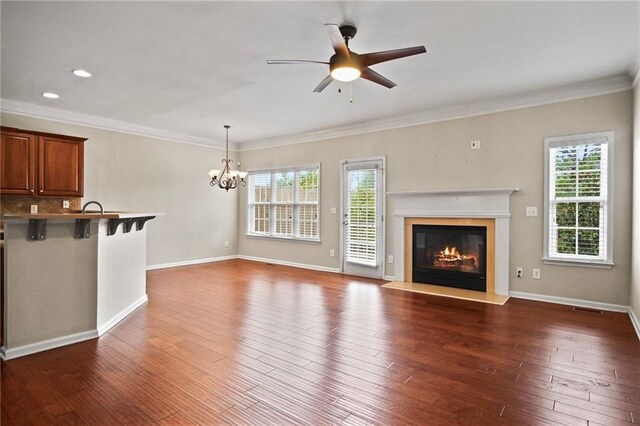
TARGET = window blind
x,y
578,199
284,203
361,225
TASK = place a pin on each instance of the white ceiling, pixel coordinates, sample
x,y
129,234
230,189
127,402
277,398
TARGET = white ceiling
x,y
190,67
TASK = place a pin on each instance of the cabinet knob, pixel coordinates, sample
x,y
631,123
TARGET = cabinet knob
x,y
41,190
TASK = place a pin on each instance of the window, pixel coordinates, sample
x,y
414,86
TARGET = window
x,y
578,206
362,204
284,203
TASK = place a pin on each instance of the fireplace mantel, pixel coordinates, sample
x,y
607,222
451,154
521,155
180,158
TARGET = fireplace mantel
x,y
491,203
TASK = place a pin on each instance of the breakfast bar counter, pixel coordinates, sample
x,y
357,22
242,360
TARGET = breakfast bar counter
x,y
70,277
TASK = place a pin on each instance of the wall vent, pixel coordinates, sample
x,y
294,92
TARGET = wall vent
x,y
579,308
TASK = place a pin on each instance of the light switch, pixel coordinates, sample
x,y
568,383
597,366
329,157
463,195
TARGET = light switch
x,y
475,144
532,211
333,210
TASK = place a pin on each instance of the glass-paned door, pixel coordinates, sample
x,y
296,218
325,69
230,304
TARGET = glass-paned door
x,y
362,244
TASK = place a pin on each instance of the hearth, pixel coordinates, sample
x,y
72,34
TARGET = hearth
x,y
452,256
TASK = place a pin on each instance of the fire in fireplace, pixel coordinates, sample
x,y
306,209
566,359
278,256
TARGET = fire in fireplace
x,y
452,259
452,256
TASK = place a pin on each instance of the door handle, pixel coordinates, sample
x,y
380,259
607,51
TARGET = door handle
x,y
345,223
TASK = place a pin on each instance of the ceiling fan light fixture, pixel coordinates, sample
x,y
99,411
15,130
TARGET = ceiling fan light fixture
x,y
346,65
345,73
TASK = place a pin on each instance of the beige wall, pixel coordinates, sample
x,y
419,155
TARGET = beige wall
x,y
437,156
134,173
635,266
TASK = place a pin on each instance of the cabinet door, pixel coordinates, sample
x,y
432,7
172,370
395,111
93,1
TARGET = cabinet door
x,y
17,163
60,166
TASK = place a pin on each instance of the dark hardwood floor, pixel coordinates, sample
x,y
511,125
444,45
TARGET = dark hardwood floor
x,y
249,343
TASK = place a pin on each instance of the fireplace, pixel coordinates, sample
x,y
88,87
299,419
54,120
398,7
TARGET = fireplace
x,y
452,256
489,208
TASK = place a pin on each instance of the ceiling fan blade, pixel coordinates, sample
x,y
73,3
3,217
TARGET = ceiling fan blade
x,y
337,41
389,55
371,75
293,61
324,83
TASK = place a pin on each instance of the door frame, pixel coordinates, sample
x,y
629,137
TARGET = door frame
x,y
383,256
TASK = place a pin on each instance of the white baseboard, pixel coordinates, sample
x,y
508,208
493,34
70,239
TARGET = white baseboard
x,y
121,315
254,259
571,302
190,262
635,321
292,264
32,348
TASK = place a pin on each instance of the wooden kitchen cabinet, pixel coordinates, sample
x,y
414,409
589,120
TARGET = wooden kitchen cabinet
x,y
41,164
18,163
60,166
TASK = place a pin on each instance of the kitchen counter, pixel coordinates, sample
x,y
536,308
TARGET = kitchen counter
x,y
70,277
80,215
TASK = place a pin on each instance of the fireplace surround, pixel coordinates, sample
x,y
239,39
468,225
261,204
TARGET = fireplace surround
x,y
469,207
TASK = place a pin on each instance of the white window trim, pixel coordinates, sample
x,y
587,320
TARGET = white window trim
x,y
293,238
570,260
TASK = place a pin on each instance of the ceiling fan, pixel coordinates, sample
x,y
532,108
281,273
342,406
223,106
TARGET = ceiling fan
x,y
346,65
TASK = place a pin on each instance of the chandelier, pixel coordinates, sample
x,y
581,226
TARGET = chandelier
x,y
227,178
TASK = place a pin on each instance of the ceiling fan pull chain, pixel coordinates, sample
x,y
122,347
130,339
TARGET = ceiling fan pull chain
x,y
351,94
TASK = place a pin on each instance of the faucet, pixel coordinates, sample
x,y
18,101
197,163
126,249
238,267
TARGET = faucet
x,y
84,208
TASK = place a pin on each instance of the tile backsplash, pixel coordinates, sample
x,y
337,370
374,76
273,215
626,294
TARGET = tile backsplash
x,y
20,204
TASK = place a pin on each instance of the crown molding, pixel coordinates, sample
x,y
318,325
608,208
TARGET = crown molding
x,y
47,113
588,89
488,106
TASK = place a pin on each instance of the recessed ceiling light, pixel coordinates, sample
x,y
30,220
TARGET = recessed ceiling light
x,y
50,95
82,73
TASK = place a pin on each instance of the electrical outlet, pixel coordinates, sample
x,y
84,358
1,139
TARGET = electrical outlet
x,y
535,274
475,144
333,210
390,259
531,211
226,243
34,209
332,253
65,204
519,271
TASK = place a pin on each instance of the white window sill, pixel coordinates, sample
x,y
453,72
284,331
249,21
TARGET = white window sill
x,y
578,263
275,238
